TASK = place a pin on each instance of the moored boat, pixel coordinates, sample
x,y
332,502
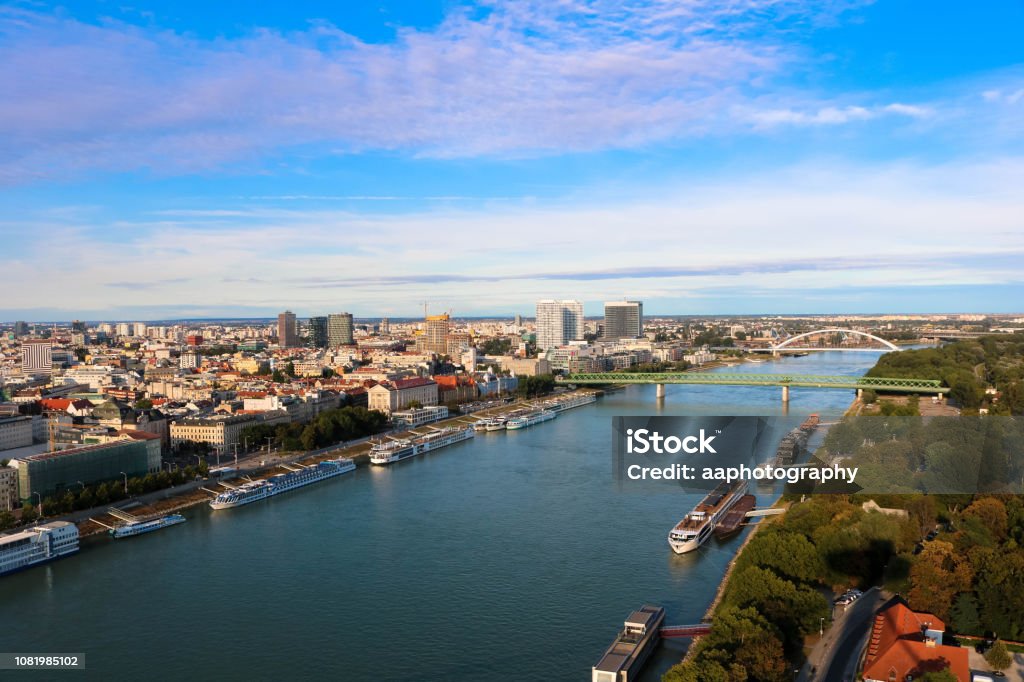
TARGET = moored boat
x,y
696,527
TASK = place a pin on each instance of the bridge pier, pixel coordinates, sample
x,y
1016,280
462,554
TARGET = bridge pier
x,y
785,394
860,393
660,392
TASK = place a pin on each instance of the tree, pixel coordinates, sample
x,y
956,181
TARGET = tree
x,y
869,397
939,573
6,520
998,656
414,405
277,377
144,404
939,676
290,369
29,513
992,513
966,619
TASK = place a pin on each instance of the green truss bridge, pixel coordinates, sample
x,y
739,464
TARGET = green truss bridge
x,y
786,381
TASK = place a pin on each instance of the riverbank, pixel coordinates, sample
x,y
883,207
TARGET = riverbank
x,y
177,499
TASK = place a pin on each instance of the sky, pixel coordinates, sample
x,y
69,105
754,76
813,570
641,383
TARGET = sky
x,y
183,159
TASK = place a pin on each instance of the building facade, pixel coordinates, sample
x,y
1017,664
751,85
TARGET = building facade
x,y
397,395
287,330
36,356
558,323
340,330
623,320
9,499
220,433
52,472
318,332
15,432
435,334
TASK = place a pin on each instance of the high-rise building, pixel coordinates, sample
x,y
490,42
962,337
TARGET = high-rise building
x,y
339,330
124,329
558,323
518,320
318,332
435,336
36,356
623,320
20,329
385,326
287,330
78,326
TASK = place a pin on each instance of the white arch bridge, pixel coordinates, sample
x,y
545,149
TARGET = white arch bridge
x,y
797,344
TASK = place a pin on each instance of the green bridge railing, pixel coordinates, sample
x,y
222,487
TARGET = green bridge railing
x,y
797,380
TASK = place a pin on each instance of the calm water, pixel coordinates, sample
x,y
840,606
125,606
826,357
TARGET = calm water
x,y
508,557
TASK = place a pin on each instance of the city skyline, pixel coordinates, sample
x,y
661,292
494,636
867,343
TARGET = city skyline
x,y
727,157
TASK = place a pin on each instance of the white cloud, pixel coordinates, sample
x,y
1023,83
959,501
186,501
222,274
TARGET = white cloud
x,y
798,229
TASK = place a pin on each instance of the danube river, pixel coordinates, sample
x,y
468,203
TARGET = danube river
x,y
508,557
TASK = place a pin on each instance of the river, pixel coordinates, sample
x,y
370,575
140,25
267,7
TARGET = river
x,y
508,557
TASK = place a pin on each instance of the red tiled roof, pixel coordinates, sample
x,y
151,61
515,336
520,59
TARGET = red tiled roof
x,y
55,403
415,382
897,645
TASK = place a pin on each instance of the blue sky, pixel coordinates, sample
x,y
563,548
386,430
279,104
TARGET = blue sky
x,y
212,159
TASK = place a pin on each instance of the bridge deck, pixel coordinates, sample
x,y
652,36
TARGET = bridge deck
x,y
731,379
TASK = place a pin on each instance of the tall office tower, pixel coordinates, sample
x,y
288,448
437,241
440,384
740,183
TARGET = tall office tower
x,y
623,320
435,337
519,320
558,323
78,326
339,330
36,356
287,330
385,326
318,332
20,329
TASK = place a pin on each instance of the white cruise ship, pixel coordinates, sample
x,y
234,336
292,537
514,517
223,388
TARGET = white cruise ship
x,y
139,527
572,401
530,419
393,451
697,526
443,438
37,545
281,483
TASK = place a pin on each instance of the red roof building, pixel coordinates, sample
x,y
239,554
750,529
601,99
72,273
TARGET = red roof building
x,y
906,644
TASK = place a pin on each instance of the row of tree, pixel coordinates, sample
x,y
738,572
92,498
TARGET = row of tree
x,y
98,494
327,428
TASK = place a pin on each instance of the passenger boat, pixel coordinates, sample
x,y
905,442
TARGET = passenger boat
x,y
140,527
393,451
281,483
696,527
443,438
37,545
529,419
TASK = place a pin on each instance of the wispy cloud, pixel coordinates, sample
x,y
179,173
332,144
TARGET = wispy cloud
x,y
494,78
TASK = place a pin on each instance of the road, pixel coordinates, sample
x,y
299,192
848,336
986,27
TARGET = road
x,y
835,655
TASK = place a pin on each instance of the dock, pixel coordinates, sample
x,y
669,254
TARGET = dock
x,y
732,520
